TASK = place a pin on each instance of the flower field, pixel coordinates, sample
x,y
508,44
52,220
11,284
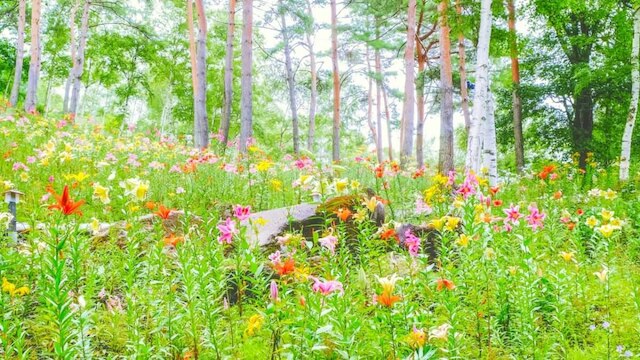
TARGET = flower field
x,y
140,247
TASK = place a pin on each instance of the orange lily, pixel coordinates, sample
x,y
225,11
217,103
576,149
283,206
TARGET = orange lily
x,y
387,299
163,212
286,267
445,284
150,205
65,204
173,240
343,213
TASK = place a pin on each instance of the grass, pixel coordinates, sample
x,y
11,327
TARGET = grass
x,y
564,286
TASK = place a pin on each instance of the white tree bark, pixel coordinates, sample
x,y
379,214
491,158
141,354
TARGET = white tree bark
x,y
78,66
246,102
72,48
201,125
291,82
335,148
228,75
481,99
409,85
314,83
635,94
489,146
17,79
34,63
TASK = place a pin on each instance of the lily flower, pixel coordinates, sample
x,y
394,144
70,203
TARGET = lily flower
x,y
65,204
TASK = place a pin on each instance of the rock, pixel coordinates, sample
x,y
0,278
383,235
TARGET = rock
x,y
275,222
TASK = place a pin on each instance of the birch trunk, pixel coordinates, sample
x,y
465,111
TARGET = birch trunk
x,y
388,116
635,94
78,66
445,157
72,49
515,76
336,83
462,68
409,85
372,127
378,110
34,63
228,76
201,125
291,83
420,83
192,54
17,79
480,101
489,147
246,102
380,93
314,83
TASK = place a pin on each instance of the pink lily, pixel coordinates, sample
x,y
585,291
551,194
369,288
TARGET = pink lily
x,y
326,287
227,230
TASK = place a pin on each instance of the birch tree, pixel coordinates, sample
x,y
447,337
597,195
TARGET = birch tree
x,y
515,77
246,101
17,78
422,57
481,99
34,63
290,80
489,146
201,123
445,157
373,127
336,83
635,94
78,65
409,85
72,49
228,75
313,101
462,69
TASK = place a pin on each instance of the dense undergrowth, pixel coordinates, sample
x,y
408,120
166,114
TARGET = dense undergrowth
x,y
542,266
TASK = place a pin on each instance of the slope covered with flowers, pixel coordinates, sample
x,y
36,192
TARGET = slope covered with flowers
x,y
136,249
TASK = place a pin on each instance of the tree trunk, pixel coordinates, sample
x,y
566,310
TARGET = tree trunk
x,y
462,68
72,48
420,83
515,76
290,82
635,95
201,126
378,109
228,76
489,147
192,54
583,123
388,116
409,85
445,161
372,127
17,79
246,122
314,83
78,66
336,83
34,63
481,99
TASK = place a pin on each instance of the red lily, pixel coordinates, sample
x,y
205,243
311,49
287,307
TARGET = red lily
x,y
65,204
